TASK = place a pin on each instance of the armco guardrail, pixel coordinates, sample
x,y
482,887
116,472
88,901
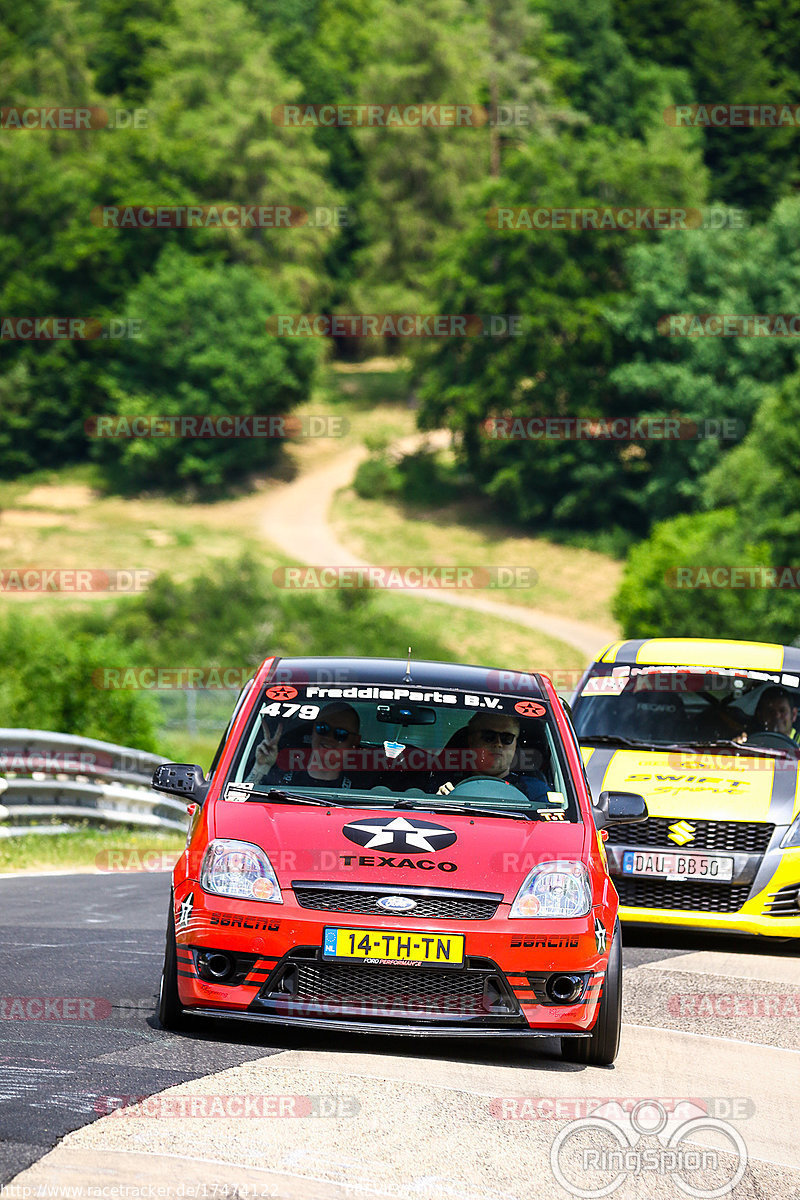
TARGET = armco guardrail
x,y
57,777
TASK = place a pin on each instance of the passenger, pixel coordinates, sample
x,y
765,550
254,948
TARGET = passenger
x,y
493,737
336,730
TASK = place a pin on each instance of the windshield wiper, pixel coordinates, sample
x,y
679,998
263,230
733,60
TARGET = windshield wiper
x,y
439,805
282,797
611,739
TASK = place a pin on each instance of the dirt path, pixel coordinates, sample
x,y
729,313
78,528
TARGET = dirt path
x,y
295,519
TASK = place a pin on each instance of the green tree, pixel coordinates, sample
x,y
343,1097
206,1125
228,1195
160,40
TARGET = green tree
x,y
53,679
563,284
734,52
203,351
655,599
760,477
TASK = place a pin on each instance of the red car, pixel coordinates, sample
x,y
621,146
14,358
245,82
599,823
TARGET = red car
x,y
398,847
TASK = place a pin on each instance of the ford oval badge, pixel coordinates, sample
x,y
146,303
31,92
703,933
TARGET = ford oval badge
x,y
396,904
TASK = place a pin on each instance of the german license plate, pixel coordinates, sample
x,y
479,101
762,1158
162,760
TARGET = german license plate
x,y
716,868
389,946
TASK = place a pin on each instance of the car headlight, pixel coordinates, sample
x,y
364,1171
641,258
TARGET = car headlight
x,y
554,889
791,839
241,870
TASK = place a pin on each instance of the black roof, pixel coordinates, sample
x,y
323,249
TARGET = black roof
x,y
423,674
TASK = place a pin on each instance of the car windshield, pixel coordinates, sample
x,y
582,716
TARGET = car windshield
x,y
402,748
660,705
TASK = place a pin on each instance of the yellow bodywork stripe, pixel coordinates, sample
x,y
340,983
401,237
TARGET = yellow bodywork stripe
x,y
705,652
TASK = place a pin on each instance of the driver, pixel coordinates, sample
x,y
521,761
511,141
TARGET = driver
x,y
776,712
493,737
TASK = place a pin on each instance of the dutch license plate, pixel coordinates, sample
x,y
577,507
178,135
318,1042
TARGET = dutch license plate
x,y
389,946
712,867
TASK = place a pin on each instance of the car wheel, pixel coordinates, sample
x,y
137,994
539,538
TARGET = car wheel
x,y
170,1012
601,1048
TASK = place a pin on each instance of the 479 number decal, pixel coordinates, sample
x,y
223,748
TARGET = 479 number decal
x,y
306,712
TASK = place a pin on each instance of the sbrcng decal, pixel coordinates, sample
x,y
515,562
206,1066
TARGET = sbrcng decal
x,y
185,911
402,835
600,935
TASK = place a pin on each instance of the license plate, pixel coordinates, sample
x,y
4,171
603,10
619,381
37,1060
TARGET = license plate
x,y
712,867
389,946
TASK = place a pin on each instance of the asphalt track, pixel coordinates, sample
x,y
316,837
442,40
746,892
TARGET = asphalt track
x,y
421,1120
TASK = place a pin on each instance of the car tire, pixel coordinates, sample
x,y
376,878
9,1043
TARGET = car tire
x,y
601,1048
171,1014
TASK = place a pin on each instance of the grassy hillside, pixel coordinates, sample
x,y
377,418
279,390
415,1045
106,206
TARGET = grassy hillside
x,y
62,519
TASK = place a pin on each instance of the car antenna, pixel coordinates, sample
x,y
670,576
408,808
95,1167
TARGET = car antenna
x,y
407,677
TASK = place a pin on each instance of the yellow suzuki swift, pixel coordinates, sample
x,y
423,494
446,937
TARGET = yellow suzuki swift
x,y
706,731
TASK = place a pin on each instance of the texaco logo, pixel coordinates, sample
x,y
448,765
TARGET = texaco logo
x,y
400,836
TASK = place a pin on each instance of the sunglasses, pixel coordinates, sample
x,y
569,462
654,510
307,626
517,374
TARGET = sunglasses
x,y
339,733
492,736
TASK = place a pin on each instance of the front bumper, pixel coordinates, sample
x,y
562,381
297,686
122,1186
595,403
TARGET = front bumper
x,y
762,900
281,978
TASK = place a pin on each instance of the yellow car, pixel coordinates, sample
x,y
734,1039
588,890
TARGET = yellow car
x,y
705,730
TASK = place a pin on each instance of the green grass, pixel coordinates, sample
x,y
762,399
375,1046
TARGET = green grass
x,y
88,849
572,582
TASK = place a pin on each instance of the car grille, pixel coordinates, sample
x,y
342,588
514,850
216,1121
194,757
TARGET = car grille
x,y
747,836
389,993
696,897
442,905
784,903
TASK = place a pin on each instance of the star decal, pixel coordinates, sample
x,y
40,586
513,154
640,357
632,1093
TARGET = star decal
x,y
185,911
281,691
400,835
600,936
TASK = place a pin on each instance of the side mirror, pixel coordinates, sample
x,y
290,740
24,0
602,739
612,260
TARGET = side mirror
x,y
619,808
180,779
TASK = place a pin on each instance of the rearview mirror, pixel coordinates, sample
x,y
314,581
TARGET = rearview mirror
x,y
405,714
619,808
180,779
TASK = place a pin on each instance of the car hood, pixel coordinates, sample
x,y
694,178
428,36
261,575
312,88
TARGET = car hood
x,y
390,846
705,786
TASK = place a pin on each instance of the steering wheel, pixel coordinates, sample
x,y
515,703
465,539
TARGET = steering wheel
x,y
499,789
769,738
